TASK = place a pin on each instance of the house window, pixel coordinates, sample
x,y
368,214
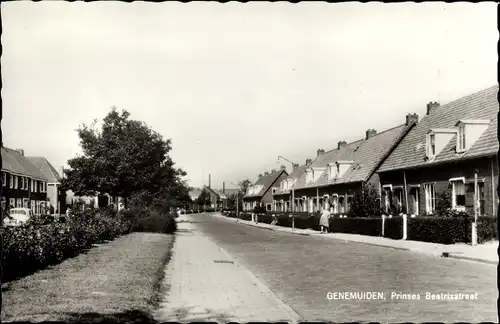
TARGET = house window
x,y
22,183
11,181
387,199
4,179
274,191
341,206
458,195
335,202
268,207
480,189
36,185
430,198
431,146
12,203
19,203
4,202
415,201
398,193
26,202
33,207
16,182
461,138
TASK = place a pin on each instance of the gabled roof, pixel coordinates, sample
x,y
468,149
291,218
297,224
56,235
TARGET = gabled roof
x,y
266,181
294,175
16,163
411,152
45,168
365,155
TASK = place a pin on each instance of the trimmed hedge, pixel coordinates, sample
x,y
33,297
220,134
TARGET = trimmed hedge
x,y
32,247
357,225
487,229
443,230
149,220
393,227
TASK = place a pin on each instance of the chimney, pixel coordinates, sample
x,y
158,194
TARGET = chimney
x,y
266,173
223,187
308,161
342,144
295,166
283,168
370,133
21,151
411,119
320,152
273,171
431,106
209,180
260,175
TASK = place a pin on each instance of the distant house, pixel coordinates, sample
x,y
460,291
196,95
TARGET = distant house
x,y
334,177
57,197
261,192
23,185
451,146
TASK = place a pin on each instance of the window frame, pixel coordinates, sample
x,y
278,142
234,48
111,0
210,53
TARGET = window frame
x,y
4,179
461,139
430,198
454,195
11,182
431,145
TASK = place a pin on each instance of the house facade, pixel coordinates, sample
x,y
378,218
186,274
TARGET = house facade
x,y
261,192
22,184
334,177
282,196
453,148
57,197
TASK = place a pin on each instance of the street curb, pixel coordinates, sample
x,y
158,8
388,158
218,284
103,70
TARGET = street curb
x,y
293,315
264,227
452,256
415,250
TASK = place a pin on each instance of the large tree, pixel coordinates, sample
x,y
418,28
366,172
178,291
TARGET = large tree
x,y
244,185
125,158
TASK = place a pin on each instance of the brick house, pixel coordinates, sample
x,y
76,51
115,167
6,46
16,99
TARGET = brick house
x,y
282,196
451,145
22,184
57,197
261,192
332,179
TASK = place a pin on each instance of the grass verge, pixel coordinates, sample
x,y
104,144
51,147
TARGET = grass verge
x,y
119,281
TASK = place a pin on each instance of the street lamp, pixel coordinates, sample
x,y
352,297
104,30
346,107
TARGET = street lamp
x,y
237,199
293,192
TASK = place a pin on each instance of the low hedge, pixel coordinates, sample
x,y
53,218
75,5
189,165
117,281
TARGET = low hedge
x,y
487,229
32,247
357,225
443,230
393,227
150,220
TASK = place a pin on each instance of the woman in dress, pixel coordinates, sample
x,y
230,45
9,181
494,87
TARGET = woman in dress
x,y
324,221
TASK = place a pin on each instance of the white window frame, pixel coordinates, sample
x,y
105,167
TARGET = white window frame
x,y
454,182
12,203
26,202
4,179
11,182
431,146
416,198
430,197
19,203
16,182
461,139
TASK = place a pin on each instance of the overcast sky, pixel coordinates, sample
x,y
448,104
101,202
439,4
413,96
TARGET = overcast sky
x,y
235,85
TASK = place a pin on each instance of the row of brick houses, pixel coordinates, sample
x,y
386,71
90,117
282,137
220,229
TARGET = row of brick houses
x,y
449,149
30,182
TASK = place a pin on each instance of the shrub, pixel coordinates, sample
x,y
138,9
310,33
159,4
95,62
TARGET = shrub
x,y
487,229
443,230
150,220
365,203
36,244
357,225
393,228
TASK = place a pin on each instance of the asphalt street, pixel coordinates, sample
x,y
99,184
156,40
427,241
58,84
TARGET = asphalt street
x,y
309,273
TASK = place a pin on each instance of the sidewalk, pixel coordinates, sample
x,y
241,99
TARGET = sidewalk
x,y
485,253
206,284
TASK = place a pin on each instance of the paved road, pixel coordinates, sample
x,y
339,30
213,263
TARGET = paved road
x,y
303,269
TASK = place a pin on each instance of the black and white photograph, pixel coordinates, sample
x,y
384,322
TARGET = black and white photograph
x,y
249,162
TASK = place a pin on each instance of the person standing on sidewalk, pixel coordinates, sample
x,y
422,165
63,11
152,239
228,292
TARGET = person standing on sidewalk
x,y
324,220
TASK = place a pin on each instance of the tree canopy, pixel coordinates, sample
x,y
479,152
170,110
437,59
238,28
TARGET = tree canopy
x,y
125,158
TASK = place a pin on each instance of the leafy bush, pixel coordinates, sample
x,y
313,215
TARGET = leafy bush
x,y
357,225
443,203
443,230
150,220
393,228
487,229
365,203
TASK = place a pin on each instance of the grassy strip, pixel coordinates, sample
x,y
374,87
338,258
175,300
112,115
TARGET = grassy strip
x,y
119,281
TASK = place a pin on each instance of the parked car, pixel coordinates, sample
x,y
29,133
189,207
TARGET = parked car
x,y
18,217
